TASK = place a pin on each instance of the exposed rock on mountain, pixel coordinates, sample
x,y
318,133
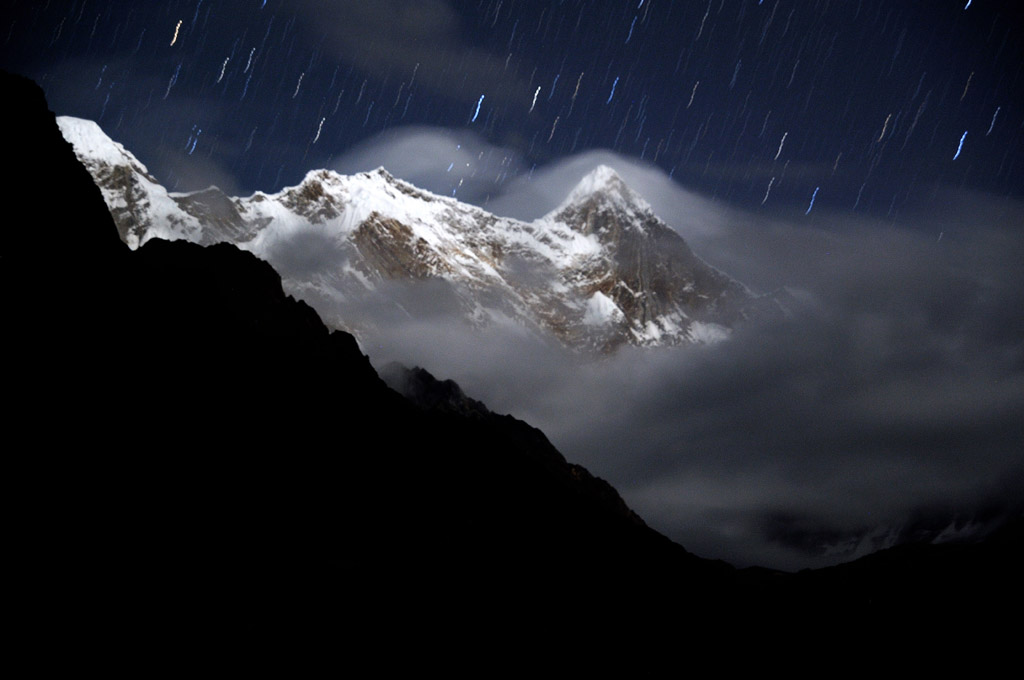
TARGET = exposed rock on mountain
x,y
599,271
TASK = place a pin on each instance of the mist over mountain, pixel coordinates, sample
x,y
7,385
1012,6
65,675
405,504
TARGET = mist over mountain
x,y
881,407
598,271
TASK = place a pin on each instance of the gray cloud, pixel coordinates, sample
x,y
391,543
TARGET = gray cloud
x,y
800,443
180,171
437,159
889,404
376,29
401,38
496,178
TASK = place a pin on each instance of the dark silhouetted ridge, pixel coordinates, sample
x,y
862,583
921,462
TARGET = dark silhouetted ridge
x,y
204,460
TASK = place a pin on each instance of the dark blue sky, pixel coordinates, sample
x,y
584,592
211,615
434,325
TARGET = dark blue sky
x,y
871,98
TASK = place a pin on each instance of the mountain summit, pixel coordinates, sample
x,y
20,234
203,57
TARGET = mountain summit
x,y
599,271
603,185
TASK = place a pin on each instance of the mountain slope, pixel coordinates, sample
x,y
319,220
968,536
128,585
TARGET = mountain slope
x,y
599,271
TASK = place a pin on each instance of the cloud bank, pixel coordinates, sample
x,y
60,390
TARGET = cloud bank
x,y
888,406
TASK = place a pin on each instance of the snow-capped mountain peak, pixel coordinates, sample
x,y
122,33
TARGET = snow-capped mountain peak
x,y
600,178
602,192
140,206
90,141
602,181
599,271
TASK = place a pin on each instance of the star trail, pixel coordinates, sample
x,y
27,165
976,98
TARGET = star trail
x,y
818,76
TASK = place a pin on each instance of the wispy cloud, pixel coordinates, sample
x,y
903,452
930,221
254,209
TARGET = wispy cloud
x,y
887,405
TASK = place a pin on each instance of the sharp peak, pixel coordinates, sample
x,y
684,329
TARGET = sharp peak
x,y
319,174
91,142
411,189
603,172
603,182
329,176
74,121
89,138
379,171
600,178
382,173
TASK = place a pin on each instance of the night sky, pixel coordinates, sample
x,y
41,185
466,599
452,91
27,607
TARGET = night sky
x,y
866,155
864,102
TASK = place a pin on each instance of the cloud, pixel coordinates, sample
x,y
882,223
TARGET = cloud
x,y
799,443
376,29
497,178
888,409
421,39
180,171
688,212
440,160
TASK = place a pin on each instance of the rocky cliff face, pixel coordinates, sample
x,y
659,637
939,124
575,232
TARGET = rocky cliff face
x,y
600,271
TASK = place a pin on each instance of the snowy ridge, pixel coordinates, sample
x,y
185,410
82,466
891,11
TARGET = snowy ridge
x,y
91,142
598,271
133,196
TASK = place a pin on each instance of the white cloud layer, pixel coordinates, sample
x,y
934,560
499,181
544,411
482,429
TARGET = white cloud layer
x,y
886,407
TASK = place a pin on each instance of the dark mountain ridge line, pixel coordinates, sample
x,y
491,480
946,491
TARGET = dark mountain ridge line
x,y
218,450
207,440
